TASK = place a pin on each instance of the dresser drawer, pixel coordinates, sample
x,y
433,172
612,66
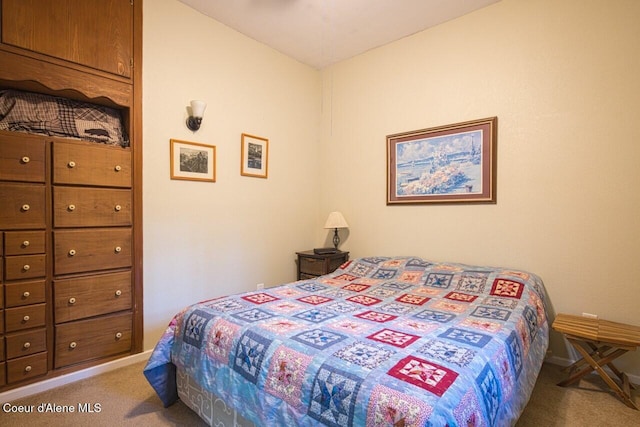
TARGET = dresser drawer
x,y
1,344
24,293
26,367
24,242
25,267
312,266
23,206
1,295
26,317
91,207
91,296
22,158
78,251
3,378
91,164
91,339
26,343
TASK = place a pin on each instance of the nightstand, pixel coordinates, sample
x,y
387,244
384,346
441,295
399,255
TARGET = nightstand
x,y
312,265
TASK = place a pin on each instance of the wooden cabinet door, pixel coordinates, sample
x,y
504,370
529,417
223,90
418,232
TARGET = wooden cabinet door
x,y
95,33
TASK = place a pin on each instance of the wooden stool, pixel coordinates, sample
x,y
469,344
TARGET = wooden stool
x,y
599,342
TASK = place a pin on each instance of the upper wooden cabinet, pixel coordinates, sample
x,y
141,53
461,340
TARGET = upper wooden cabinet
x,y
93,33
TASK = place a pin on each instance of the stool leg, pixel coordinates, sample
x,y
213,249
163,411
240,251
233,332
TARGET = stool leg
x,y
598,368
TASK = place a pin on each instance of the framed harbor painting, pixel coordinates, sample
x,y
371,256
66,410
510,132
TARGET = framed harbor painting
x,y
446,164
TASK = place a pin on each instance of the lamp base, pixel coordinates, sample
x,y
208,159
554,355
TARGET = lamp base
x,y
336,238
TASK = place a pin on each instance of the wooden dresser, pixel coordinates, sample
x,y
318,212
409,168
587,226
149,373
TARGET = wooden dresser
x,y
70,211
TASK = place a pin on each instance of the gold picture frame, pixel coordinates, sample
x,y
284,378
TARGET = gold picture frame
x,y
254,160
192,161
447,164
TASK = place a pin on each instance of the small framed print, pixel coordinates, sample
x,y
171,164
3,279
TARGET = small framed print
x,y
193,161
255,156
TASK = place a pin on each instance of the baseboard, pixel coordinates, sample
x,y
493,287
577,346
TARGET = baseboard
x,y
563,361
39,387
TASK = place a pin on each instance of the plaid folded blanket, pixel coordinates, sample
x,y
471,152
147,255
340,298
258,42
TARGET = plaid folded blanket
x,y
55,116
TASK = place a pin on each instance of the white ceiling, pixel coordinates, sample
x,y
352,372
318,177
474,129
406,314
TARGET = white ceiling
x,y
322,32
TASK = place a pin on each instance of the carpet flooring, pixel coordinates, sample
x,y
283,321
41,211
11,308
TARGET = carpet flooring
x,y
124,398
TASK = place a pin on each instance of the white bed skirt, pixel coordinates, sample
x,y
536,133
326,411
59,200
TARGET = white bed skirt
x,y
213,410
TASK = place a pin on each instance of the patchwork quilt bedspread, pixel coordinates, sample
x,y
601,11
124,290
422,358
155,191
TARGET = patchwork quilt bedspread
x,y
381,341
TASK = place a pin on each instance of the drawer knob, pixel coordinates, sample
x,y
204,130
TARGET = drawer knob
x,y
72,300
72,252
73,344
26,244
119,335
26,267
118,292
71,164
25,208
118,249
72,208
26,294
27,368
118,208
118,168
26,345
26,318
26,159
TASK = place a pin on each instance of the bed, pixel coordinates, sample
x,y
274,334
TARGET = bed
x,y
380,341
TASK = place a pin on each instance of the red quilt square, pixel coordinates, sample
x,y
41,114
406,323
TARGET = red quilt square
x,y
376,317
459,296
412,299
364,300
260,298
395,338
314,299
345,276
424,374
507,288
356,287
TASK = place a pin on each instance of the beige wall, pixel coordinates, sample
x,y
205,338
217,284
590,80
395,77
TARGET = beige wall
x,y
563,79
204,240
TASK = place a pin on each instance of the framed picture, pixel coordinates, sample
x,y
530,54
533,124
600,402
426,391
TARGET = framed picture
x,y
193,161
446,164
255,156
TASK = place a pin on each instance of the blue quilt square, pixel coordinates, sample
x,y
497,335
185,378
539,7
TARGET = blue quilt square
x,y
385,273
464,336
253,315
417,262
491,392
319,338
194,327
531,319
361,269
515,353
494,313
397,286
226,305
249,355
435,316
375,260
311,287
333,396
439,280
472,281
315,316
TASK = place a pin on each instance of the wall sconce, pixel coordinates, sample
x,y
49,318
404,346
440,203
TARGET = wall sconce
x,y
335,221
197,111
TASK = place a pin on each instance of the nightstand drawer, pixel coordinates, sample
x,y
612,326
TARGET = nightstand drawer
x,y
312,266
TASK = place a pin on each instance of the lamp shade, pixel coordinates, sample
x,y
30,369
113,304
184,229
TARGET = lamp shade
x,y
197,108
336,220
